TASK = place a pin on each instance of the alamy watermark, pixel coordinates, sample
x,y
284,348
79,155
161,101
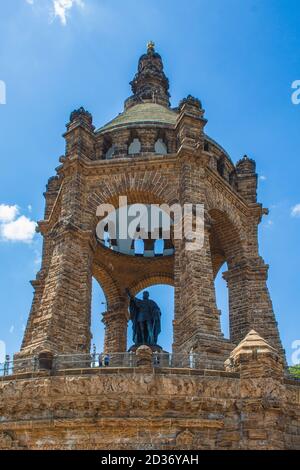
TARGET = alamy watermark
x,y
2,92
153,221
296,94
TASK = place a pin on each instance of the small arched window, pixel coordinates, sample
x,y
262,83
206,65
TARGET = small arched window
x,y
221,166
139,247
206,146
159,247
110,152
160,147
233,179
134,147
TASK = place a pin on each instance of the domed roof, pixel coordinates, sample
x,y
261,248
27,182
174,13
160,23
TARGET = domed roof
x,y
144,113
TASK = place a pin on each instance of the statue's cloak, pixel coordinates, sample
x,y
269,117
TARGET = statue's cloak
x,y
145,311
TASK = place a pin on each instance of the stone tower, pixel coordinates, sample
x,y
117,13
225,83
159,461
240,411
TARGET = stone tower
x,y
210,392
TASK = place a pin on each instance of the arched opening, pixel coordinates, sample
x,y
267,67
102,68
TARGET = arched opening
x,y
222,300
135,146
139,247
226,250
163,295
137,230
110,152
161,143
221,166
108,149
98,307
117,272
160,147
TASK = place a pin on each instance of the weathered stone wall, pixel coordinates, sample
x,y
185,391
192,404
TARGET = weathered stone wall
x,y
156,409
250,404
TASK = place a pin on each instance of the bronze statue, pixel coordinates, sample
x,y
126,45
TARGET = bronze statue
x,y
145,316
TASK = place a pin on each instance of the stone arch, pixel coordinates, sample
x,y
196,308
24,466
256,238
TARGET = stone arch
x,y
227,246
107,283
161,287
225,240
148,187
217,200
159,278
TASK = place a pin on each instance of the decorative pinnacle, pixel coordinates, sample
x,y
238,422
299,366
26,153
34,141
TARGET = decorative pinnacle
x,y
150,46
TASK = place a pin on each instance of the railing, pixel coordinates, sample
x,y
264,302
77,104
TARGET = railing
x,y
64,362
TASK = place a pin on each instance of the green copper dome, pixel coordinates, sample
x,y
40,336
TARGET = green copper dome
x,y
144,113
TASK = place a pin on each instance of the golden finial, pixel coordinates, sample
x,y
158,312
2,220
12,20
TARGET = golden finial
x,y
150,46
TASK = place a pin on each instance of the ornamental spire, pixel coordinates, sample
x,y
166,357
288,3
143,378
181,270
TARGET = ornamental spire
x,y
150,46
150,83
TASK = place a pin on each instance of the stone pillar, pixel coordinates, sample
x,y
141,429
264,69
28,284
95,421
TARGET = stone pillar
x,y
80,135
115,321
147,138
144,357
197,319
120,140
262,393
247,179
250,305
61,321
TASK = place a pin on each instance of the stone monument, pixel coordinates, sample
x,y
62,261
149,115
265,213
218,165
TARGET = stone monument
x,y
220,393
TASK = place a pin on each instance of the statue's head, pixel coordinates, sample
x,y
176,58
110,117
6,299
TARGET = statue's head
x,y
145,295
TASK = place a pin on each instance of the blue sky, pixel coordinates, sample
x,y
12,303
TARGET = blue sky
x,y
239,57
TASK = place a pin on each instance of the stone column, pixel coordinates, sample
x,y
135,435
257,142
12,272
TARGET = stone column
x,y
115,321
250,305
147,138
197,319
262,393
120,140
247,179
61,321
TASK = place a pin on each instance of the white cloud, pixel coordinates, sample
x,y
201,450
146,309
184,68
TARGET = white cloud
x,y
20,230
14,227
295,212
30,2
8,213
262,178
62,6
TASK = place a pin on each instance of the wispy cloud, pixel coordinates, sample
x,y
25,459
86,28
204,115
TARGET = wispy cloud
x,y
295,211
61,8
15,227
262,178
